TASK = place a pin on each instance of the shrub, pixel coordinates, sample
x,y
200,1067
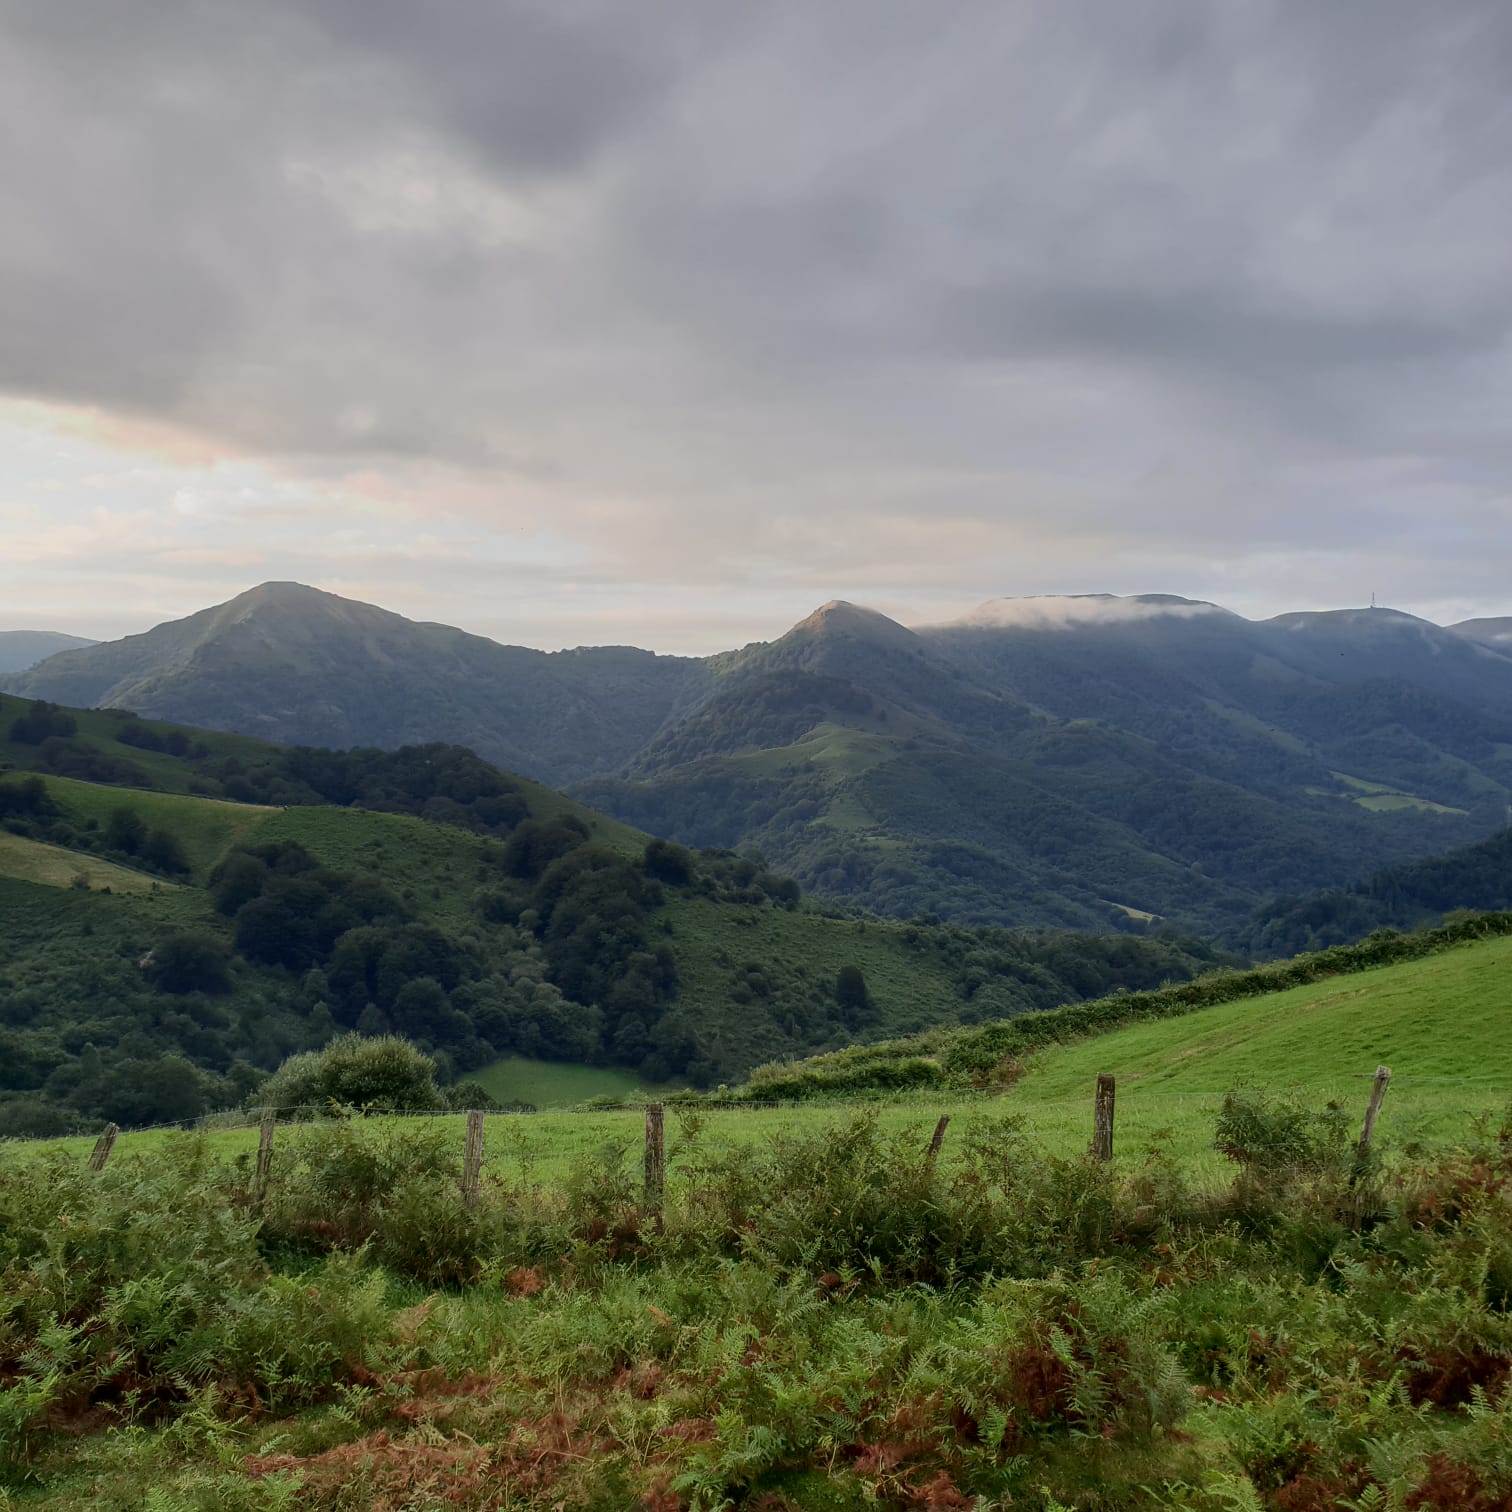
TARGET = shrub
x,y
346,1186
386,1074
124,830
162,852
1270,1136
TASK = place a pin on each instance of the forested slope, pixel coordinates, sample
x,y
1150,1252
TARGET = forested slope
x,y
277,896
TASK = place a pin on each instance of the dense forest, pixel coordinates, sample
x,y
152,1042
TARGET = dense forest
x,y
1395,897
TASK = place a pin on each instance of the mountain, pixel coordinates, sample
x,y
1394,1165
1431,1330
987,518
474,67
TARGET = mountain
x,y
290,663
184,909
1085,762
20,649
1075,760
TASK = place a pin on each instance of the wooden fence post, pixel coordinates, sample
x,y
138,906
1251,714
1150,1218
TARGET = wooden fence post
x,y
264,1153
103,1146
1373,1109
472,1158
1102,1119
935,1143
656,1163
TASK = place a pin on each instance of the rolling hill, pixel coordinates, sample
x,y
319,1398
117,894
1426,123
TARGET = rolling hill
x,y
183,910
1080,762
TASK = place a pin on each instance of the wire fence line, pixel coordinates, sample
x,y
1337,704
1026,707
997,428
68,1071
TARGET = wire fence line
x,y
245,1119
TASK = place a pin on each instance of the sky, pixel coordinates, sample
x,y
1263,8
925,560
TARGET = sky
x,y
576,322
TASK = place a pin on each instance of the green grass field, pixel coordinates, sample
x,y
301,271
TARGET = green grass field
x,y
53,866
555,1084
1439,1023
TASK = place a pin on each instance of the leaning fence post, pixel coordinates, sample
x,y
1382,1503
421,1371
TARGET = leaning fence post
x,y
264,1153
1102,1119
933,1153
103,1146
1373,1109
656,1162
472,1158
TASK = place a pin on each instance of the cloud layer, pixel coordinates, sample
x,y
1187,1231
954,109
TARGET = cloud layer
x,y
666,322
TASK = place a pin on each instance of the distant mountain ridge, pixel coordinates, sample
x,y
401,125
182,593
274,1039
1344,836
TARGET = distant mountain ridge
x,y
1081,761
21,649
293,664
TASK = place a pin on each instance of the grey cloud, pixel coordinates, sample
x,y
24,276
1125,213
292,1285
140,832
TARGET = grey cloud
x,y
739,280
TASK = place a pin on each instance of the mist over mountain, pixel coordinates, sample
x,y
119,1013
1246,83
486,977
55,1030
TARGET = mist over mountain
x,y
20,649
1496,633
1085,761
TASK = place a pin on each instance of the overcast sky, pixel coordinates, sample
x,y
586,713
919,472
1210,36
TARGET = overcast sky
x,y
572,322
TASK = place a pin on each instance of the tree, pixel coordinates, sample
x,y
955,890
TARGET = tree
x,y
668,862
162,852
536,843
851,994
124,830
166,1090
43,721
422,1008
189,962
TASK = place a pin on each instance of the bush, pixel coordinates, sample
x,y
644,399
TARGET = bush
x,y
189,962
124,830
668,862
386,1074
343,1187
162,852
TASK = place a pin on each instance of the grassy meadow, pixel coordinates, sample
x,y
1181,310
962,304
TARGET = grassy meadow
x,y
55,866
817,1317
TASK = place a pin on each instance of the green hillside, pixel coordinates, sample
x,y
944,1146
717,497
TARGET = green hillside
x,y
54,866
1182,765
1435,1006
269,898
1441,1024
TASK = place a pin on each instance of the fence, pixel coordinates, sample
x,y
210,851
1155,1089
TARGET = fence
x,y
1104,1102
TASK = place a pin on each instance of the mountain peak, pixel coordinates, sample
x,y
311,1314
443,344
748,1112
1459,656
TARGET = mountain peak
x,y
282,596
20,649
839,617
